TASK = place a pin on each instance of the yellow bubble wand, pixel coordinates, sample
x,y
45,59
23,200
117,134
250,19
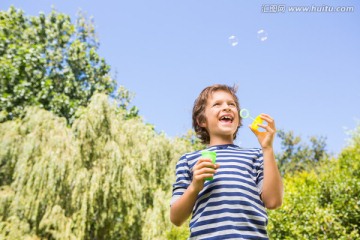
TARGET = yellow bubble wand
x,y
244,113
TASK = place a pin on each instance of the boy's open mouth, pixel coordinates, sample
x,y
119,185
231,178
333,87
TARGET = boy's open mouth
x,y
226,119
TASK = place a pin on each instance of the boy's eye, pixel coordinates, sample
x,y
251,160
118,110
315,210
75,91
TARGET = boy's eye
x,y
215,104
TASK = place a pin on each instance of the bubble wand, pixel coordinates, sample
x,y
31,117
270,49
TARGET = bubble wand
x,y
244,113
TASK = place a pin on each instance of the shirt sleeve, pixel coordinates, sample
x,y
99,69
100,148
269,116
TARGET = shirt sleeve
x,y
259,168
183,179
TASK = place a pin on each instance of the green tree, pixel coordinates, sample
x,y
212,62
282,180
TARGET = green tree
x,y
48,61
106,177
322,202
298,156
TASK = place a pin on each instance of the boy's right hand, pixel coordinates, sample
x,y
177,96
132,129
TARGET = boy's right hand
x,y
204,168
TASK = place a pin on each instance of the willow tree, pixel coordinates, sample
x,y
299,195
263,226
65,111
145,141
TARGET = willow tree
x,y
49,62
106,177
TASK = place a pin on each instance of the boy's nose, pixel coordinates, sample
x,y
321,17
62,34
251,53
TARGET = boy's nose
x,y
226,107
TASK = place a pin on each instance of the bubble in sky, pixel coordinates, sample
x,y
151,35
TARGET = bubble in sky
x,y
262,35
233,40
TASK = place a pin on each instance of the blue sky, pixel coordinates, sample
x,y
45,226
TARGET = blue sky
x,y
306,74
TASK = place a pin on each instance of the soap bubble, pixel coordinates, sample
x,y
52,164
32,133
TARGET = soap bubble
x,y
262,35
233,40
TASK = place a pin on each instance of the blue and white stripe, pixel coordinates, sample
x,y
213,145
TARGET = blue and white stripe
x,y
229,207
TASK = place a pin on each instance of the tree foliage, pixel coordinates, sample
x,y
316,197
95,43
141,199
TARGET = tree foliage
x,y
297,155
322,202
107,177
48,61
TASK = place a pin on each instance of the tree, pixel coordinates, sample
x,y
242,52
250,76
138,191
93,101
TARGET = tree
x,y
322,202
48,61
106,177
298,156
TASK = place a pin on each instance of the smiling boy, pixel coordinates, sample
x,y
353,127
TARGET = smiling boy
x,y
245,181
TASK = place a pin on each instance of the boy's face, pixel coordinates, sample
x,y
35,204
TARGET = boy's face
x,y
221,114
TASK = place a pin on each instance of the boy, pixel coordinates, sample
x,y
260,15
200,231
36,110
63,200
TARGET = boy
x,y
245,181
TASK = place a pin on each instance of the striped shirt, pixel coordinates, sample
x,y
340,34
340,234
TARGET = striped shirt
x,y
228,207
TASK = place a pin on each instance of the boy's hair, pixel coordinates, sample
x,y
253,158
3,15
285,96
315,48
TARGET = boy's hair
x,y
198,114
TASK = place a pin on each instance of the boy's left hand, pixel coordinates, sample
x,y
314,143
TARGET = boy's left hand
x,y
265,138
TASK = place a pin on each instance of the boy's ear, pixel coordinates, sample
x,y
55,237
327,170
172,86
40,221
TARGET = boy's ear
x,y
201,124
